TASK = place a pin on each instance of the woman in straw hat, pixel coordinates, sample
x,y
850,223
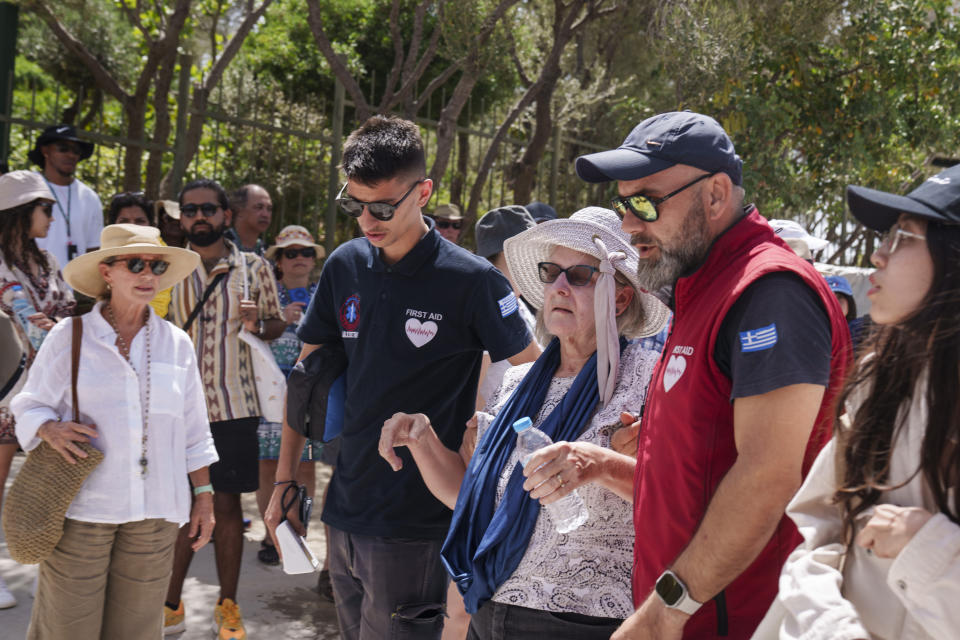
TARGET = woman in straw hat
x,y
294,256
141,403
518,575
26,209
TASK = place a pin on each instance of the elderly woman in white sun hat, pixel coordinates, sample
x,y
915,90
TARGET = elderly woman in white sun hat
x,y
517,574
141,403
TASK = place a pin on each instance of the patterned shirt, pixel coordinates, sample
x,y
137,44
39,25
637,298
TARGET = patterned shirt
x,y
226,367
286,348
586,571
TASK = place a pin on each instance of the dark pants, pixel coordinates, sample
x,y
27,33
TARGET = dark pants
x,y
497,621
387,588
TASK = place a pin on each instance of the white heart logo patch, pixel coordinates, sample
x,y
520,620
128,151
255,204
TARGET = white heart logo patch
x,y
676,365
420,334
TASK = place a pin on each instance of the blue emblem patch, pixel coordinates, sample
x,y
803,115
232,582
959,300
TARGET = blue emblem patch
x,y
758,339
508,305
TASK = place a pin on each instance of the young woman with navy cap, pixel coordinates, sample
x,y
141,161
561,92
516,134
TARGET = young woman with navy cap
x,y
880,510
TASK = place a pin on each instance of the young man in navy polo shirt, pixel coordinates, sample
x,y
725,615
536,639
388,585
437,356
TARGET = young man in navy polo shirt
x,y
414,314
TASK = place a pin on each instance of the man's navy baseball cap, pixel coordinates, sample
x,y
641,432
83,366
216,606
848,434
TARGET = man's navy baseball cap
x,y
660,142
938,198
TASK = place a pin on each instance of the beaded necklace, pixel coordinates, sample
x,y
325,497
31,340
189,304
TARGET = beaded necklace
x,y
124,349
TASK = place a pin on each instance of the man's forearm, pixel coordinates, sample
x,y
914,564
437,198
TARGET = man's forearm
x,y
291,449
741,517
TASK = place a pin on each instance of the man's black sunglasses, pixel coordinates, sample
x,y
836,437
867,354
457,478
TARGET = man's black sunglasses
x,y
306,252
645,207
208,209
380,210
136,265
579,275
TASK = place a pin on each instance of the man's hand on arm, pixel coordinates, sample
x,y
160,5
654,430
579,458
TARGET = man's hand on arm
x,y
771,432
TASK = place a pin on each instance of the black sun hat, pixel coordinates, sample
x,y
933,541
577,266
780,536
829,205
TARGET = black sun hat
x,y
938,198
55,133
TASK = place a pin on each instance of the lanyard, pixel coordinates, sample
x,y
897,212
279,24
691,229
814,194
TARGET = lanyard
x,y
66,213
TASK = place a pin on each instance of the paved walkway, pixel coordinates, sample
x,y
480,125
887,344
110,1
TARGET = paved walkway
x,y
274,604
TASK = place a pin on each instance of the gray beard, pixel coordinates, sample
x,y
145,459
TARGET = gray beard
x,y
674,262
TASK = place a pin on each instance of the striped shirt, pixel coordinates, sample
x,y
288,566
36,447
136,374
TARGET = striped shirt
x,y
225,364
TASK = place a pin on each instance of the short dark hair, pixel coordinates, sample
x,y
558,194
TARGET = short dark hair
x,y
205,183
238,199
384,148
129,199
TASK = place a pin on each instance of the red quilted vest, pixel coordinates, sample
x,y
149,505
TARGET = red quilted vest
x,y
686,443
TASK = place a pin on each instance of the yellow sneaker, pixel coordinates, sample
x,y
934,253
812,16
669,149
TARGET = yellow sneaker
x,y
228,622
173,620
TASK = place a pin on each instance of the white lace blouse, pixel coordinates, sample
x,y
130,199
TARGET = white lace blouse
x,y
586,571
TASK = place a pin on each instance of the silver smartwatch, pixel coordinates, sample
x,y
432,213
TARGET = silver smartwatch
x,y
674,594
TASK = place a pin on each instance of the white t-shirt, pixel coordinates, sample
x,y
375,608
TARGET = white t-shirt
x,y
78,203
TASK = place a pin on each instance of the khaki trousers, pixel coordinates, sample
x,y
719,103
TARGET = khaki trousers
x,y
105,581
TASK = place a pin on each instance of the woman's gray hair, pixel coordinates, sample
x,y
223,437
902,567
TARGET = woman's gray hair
x,y
629,322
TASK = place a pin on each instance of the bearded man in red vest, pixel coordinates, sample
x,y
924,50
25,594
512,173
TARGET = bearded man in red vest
x,y
741,400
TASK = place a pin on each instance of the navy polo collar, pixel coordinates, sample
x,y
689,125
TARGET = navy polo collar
x,y
410,263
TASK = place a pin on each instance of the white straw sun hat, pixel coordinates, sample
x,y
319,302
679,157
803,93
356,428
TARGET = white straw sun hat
x,y
83,274
293,235
596,232
524,250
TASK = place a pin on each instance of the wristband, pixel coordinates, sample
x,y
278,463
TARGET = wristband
x,y
280,482
206,488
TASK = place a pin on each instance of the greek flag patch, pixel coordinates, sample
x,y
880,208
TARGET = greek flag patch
x,y
758,339
508,305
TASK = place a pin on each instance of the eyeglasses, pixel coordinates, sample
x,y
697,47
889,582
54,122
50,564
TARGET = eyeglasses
x,y
890,240
447,224
382,211
47,208
68,147
136,265
579,275
306,252
645,207
208,209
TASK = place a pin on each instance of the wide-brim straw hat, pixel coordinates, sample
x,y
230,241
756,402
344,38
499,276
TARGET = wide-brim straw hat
x,y
83,274
525,250
294,235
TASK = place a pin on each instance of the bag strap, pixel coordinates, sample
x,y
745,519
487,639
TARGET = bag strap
x,y
75,364
203,300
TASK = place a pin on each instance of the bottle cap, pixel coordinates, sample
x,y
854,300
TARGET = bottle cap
x,y
522,424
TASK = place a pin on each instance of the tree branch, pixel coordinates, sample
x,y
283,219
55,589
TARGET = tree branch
x,y
133,16
397,38
104,78
521,73
315,20
235,42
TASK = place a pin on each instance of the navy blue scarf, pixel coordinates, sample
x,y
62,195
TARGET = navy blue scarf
x,y
484,545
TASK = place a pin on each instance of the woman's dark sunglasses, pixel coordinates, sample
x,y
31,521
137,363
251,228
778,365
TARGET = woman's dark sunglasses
x,y
136,265
305,252
47,208
208,209
447,224
645,207
380,210
579,275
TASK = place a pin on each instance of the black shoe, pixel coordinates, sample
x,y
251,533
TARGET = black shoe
x,y
324,587
268,554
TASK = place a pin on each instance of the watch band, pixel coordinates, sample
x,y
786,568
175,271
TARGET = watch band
x,y
674,594
205,488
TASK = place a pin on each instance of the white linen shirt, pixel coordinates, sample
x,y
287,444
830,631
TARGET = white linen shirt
x,y
109,392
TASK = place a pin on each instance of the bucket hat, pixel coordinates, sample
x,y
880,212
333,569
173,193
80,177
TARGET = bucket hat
x,y
55,133
293,235
21,187
447,212
83,274
500,224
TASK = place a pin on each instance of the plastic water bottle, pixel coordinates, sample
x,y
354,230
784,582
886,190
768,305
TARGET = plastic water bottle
x,y
23,309
568,512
